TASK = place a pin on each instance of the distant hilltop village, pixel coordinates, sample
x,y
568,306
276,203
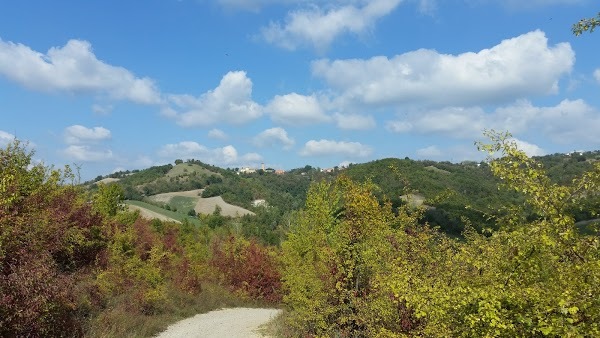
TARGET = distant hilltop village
x,y
249,170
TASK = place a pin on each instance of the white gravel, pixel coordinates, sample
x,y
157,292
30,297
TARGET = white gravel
x,y
234,323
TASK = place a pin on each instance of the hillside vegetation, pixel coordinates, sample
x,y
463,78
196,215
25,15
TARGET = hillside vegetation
x,y
451,191
347,253
354,267
76,263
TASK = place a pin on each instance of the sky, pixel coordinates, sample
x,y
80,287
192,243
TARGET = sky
x,y
121,85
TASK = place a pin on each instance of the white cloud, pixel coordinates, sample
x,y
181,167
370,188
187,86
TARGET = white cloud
x,y
273,136
224,156
398,126
230,102
566,122
450,121
515,68
102,110
345,164
354,121
78,134
329,147
5,138
87,154
597,74
429,152
318,26
73,68
529,148
217,134
296,109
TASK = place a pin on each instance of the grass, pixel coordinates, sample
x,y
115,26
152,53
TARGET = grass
x,y
277,328
183,203
117,321
175,215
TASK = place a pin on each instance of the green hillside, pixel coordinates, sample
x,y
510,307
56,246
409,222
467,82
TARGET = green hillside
x,y
452,191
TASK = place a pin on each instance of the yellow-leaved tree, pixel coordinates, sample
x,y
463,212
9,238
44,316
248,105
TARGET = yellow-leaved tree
x,y
355,268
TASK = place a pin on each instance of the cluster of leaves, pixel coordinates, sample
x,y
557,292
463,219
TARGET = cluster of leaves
x,y
586,25
248,267
48,235
355,267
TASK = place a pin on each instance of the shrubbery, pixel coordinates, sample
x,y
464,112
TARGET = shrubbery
x,y
353,268
74,264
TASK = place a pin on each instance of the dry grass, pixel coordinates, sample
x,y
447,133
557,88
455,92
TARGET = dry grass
x,y
149,214
207,206
107,180
117,321
203,205
276,328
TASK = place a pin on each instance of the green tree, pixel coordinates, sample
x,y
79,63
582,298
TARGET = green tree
x,y
354,268
335,256
108,198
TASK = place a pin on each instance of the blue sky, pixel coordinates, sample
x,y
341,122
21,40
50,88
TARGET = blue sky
x,y
113,85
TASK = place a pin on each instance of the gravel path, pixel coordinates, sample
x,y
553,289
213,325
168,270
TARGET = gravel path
x,y
234,323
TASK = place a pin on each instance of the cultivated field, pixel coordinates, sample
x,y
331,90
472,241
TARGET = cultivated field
x,y
149,214
187,199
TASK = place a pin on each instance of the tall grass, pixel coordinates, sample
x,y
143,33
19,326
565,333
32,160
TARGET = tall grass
x,y
118,321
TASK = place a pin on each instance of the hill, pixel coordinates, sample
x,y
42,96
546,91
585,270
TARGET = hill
x,y
451,190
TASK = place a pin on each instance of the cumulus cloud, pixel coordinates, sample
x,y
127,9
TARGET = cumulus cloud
x,y
329,147
597,74
5,138
230,102
217,134
86,153
227,155
354,121
274,136
78,134
567,121
296,109
398,126
317,26
519,67
73,68
529,148
429,152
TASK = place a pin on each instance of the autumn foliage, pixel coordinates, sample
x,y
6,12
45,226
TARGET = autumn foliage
x,y
354,268
248,268
74,263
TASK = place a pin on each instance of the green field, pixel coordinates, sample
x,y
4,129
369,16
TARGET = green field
x,y
183,204
174,215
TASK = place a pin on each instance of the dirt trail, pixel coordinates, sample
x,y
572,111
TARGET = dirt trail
x,y
234,323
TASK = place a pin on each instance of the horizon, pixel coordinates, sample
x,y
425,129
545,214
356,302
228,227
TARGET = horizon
x,y
115,86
